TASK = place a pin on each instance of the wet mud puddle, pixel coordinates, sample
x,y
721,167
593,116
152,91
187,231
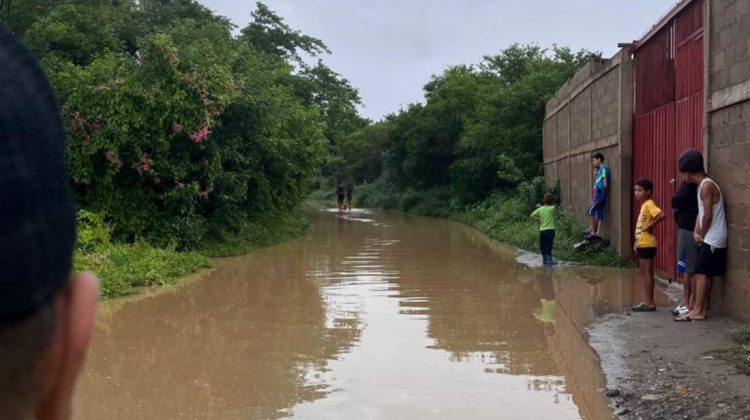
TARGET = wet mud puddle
x,y
370,316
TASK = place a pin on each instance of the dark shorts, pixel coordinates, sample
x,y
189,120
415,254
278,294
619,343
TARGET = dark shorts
x,y
597,210
711,261
686,247
341,198
645,253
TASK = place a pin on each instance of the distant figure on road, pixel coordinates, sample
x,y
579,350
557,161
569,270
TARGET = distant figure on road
x,y
645,242
710,232
340,195
349,196
598,204
545,214
46,315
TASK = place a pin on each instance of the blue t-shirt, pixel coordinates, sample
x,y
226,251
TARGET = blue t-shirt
x,y
600,189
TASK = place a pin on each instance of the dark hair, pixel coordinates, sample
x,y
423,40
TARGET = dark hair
x,y
37,217
548,199
598,156
691,162
646,184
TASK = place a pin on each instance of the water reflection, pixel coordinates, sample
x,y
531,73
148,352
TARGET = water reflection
x,y
369,316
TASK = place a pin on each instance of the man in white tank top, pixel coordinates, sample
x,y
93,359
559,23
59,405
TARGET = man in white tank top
x,y
710,232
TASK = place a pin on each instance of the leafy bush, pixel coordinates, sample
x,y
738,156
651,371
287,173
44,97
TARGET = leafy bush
x,y
505,217
93,234
251,234
123,268
179,127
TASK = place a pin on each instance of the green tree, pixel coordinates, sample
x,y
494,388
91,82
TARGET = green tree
x,y
268,33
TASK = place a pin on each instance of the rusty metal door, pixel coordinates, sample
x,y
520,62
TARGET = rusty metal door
x,y
668,113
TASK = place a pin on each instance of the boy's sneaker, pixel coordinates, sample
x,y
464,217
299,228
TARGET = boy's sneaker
x,y
552,261
680,310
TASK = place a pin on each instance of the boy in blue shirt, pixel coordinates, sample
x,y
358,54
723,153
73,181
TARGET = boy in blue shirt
x,y
598,204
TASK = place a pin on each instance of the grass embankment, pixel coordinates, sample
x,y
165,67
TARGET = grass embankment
x,y
125,268
739,354
503,217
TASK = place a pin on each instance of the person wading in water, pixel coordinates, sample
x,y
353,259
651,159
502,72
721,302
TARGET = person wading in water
x,y
340,195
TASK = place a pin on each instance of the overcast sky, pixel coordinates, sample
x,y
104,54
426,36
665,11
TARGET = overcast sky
x,y
388,49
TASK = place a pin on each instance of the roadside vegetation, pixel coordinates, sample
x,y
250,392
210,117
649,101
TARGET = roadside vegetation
x,y
472,151
187,138
504,217
739,354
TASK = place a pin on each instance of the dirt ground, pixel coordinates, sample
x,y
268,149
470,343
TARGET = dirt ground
x,y
659,369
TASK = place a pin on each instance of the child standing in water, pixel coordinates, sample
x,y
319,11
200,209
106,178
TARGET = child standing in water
x,y
645,242
546,216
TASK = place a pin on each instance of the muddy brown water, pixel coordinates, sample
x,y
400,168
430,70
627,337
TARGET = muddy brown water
x,y
370,316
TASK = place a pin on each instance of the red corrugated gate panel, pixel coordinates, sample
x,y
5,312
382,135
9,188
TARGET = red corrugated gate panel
x,y
653,141
668,114
654,73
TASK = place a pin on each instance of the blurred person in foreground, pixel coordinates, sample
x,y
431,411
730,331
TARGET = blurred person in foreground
x,y
46,314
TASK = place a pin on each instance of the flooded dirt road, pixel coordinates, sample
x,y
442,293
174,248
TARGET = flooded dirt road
x,y
370,316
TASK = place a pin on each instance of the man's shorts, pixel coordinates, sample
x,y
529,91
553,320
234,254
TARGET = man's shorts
x,y
711,261
686,246
645,253
597,210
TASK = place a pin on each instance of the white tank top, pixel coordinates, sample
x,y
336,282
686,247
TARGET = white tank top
x,y
717,233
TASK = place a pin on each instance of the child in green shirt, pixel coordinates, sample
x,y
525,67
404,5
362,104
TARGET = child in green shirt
x,y
546,216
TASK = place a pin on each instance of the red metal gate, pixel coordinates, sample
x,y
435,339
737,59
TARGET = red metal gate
x,y
668,112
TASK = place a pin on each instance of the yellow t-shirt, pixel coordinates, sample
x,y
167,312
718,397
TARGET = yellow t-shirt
x,y
649,211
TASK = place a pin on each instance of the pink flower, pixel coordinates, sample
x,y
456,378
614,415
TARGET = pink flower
x,y
200,136
113,159
144,165
78,120
176,128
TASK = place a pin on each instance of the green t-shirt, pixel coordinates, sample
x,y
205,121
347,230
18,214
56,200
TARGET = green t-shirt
x,y
546,215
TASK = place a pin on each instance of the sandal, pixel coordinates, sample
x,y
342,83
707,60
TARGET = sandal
x,y
688,318
641,307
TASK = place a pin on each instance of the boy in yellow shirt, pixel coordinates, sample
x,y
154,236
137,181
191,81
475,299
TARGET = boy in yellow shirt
x,y
645,241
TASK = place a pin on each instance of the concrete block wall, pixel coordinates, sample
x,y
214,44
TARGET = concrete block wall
x,y
728,138
592,113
